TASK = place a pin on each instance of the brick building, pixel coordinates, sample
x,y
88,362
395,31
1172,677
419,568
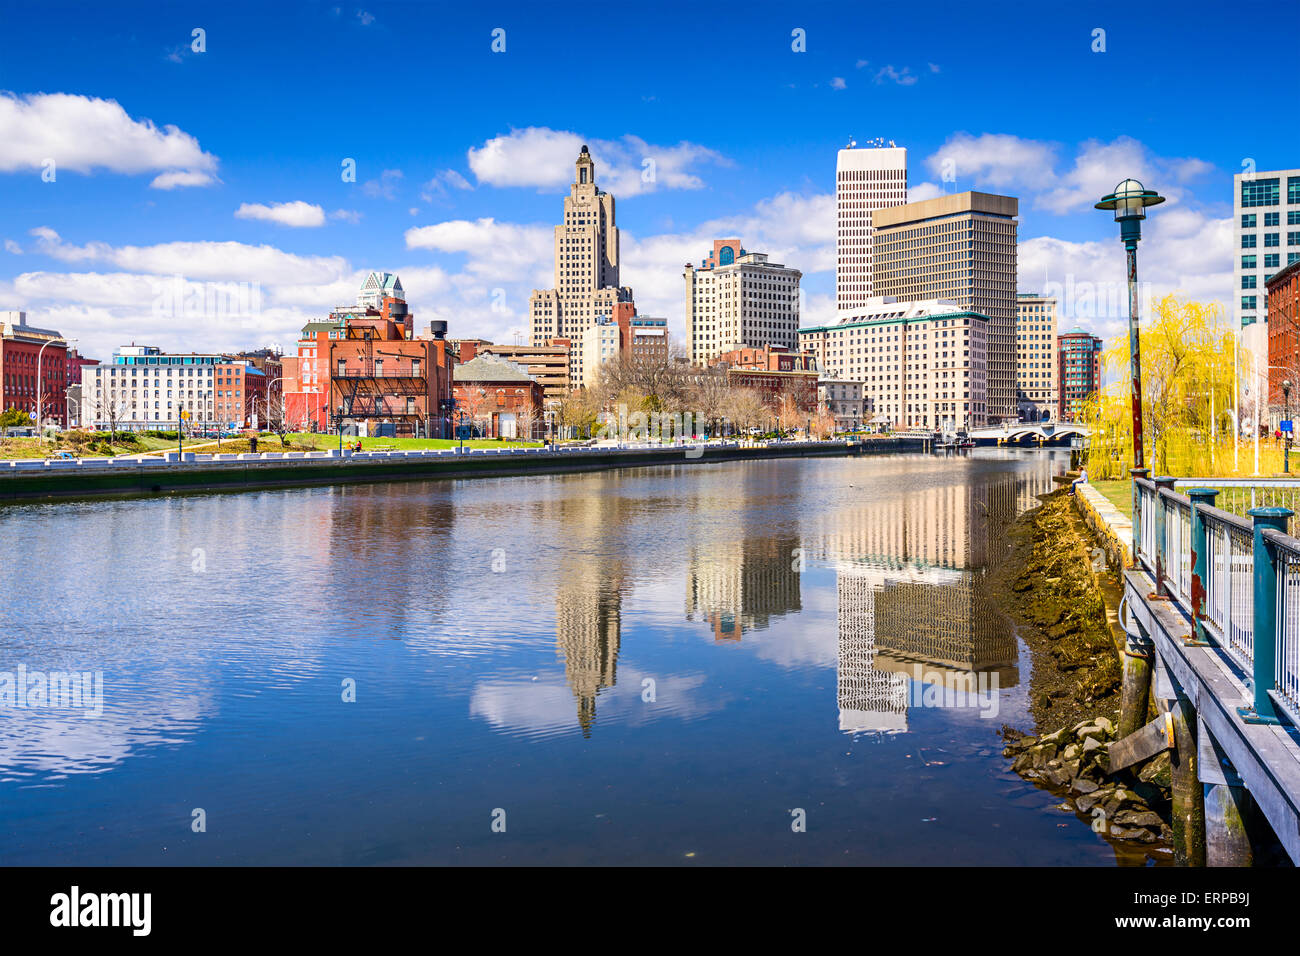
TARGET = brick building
x,y
774,371
548,363
1283,305
366,368
34,366
498,398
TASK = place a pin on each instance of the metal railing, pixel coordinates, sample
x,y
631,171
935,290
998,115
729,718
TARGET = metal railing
x,y
1239,495
1238,579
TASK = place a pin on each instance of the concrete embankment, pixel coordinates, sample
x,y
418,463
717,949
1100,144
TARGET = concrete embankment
x,y
21,480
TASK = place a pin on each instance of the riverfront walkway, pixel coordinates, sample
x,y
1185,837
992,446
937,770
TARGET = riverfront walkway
x,y
1213,604
82,477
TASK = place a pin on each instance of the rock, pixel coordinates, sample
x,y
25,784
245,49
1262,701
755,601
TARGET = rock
x,y
1091,744
1083,785
1071,752
1105,724
1135,818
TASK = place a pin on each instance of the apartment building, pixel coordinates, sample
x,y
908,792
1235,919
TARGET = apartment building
x,y
736,298
922,364
146,388
1283,289
1079,359
1036,364
845,400
959,249
586,263
866,179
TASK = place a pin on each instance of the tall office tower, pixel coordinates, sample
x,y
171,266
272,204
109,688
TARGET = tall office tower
x,y
737,299
1266,227
962,249
1036,357
586,263
867,179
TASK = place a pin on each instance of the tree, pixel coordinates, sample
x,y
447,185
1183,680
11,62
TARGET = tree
x,y
788,413
1187,394
526,419
745,409
12,418
578,410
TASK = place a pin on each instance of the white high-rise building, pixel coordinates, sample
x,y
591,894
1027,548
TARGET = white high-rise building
x,y
1266,229
586,263
736,299
866,179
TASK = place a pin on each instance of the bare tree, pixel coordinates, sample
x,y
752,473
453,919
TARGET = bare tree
x,y
526,418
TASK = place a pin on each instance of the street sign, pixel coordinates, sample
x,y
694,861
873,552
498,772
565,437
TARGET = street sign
x,y
1284,426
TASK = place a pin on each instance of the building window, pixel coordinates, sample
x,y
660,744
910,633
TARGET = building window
x,y
1248,241
1262,192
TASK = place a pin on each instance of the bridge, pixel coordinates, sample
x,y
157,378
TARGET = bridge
x,y
1029,432
1212,614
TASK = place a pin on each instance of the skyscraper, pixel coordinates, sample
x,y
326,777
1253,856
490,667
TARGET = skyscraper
x,y
962,249
586,263
867,179
737,298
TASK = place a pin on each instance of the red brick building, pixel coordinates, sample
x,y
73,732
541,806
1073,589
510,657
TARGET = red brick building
x,y
1283,290
1078,354
774,371
498,398
33,368
365,366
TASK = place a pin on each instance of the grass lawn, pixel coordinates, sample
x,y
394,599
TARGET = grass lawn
x,y
1118,493
45,448
325,442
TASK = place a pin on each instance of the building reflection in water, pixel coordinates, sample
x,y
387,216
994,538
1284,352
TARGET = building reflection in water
x,y
589,593
913,599
744,585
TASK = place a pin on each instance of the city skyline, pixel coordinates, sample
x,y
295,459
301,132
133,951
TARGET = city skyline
x,y
203,201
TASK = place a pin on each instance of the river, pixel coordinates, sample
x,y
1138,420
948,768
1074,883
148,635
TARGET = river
x,y
750,663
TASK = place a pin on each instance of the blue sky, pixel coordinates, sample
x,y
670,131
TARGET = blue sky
x,y
462,154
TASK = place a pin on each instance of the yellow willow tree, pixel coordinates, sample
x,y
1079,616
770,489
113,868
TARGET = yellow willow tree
x,y
1187,395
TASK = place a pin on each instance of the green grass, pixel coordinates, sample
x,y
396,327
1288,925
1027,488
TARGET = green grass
x,y
1118,493
324,442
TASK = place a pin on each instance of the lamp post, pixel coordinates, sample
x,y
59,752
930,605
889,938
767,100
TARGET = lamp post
x,y
40,386
1129,202
1286,435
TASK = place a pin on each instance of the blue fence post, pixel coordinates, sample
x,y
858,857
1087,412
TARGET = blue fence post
x,y
1162,560
1200,560
1135,474
1265,637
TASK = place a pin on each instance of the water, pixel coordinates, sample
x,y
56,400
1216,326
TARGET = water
x,y
644,666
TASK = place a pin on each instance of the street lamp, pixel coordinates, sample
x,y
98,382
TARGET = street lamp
x,y
1286,435
40,386
1129,202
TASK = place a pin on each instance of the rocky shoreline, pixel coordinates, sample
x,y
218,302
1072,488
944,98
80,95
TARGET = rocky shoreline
x,y
1055,585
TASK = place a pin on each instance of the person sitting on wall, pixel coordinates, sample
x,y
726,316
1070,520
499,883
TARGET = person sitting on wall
x,y
1081,480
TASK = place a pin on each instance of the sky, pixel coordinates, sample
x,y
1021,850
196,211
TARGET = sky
x,y
148,171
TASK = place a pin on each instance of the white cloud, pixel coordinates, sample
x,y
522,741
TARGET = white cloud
x,y
218,261
296,214
1010,163
181,177
543,158
385,187
494,251
347,215
904,78
438,185
996,160
837,83
923,191
83,134
13,248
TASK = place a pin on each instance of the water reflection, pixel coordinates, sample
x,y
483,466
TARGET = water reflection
x,y
601,630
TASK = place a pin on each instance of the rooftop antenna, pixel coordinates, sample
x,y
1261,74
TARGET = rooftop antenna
x,y
852,142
